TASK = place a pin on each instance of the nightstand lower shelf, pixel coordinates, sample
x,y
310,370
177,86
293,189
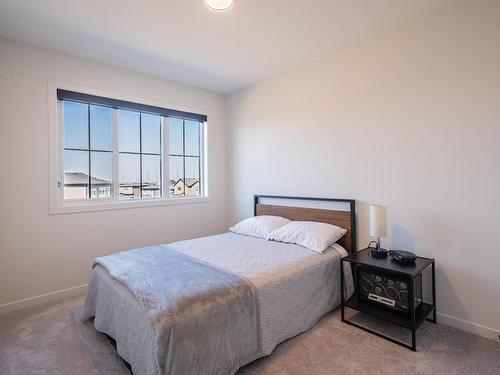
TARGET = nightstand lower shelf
x,y
400,319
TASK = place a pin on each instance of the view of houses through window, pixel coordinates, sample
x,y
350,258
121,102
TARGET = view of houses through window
x,y
140,149
91,134
184,157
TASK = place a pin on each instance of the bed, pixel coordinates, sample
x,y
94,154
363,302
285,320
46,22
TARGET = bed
x,y
213,304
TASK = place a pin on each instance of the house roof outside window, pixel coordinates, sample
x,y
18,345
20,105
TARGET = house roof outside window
x,y
82,179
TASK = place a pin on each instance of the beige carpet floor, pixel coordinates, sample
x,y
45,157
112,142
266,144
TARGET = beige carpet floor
x,y
51,339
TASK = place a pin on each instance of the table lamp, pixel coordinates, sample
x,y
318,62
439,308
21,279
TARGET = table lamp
x,y
378,228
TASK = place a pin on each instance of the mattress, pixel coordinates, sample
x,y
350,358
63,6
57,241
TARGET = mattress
x,y
295,287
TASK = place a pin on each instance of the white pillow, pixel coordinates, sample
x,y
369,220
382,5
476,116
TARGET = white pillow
x,y
314,236
259,226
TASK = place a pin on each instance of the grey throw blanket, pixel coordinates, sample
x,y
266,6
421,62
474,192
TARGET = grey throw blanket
x,y
204,318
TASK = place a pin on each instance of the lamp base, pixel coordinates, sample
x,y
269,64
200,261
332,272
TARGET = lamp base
x,y
379,252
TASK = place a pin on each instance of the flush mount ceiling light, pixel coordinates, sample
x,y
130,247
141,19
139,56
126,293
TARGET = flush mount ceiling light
x,y
219,5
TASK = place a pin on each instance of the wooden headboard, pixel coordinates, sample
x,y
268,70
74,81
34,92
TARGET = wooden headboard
x,y
343,219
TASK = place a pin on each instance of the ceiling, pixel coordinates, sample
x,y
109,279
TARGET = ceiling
x,y
182,40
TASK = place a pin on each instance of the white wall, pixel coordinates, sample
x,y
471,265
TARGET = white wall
x,y
412,122
42,253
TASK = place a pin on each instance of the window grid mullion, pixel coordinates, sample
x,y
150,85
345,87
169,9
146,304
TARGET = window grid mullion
x,y
90,154
161,162
203,150
199,159
165,128
184,155
140,152
188,156
116,156
85,149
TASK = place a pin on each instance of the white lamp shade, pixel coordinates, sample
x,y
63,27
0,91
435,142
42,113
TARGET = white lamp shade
x,y
378,221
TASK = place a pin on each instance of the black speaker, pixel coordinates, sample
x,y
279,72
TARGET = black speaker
x,y
388,290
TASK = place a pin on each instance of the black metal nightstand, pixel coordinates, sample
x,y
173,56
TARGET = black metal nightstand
x,y
410,313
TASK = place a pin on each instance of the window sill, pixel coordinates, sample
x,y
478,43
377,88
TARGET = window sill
x,y
69,207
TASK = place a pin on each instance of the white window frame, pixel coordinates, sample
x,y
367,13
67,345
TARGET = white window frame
x,y
57,203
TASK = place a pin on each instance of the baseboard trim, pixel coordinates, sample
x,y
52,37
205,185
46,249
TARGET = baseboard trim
x,y
467,326
36,300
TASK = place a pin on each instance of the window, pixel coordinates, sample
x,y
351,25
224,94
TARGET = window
x,y
114,150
